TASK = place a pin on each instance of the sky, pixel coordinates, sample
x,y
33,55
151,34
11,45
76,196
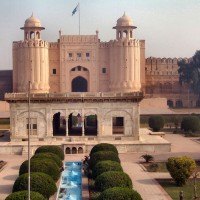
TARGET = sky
x,y
171,28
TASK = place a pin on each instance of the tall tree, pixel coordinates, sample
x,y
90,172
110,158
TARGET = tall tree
x,y
189,72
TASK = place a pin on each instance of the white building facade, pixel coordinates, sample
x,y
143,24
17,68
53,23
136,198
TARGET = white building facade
x,y
77,76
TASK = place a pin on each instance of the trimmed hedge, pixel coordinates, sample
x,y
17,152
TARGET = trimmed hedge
x,y
112,179
51,149
156,122
119,193
103,147
190,123
181,168
102,155
46,166
23,195
104,166
39,182
51,156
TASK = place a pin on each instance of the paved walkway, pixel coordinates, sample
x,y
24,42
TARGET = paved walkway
x,y
143,182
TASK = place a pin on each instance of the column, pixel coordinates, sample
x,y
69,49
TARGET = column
x,y
83,125
67,129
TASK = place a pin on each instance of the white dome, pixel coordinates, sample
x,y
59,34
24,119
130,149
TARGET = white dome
x,y
125,21
32,22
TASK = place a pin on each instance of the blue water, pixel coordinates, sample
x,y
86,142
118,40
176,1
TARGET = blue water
x,y
71,182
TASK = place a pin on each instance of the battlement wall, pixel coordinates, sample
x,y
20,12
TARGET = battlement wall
x,y
34,43
79,38
153,60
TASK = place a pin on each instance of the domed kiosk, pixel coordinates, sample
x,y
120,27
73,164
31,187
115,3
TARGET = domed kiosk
x,y
32,28
124,27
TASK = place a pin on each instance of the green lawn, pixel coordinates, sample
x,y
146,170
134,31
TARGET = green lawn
x,y
173,190
161,166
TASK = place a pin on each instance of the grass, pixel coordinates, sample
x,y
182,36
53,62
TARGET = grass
x,y
173,190
161,166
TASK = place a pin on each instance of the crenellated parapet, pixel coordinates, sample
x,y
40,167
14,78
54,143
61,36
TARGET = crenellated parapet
x,y
104,45
153,60
79,38
53,45
126,42
31,43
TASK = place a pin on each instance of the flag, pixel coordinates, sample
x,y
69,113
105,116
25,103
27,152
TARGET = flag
x,y
75,9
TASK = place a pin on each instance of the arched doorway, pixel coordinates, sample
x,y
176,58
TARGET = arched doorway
x,y
170,103
79,84
179,104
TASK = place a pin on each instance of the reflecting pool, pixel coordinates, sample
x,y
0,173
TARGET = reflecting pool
x,y
71,182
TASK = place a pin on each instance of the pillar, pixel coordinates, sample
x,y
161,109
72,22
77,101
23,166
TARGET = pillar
x,y
67,129
83,125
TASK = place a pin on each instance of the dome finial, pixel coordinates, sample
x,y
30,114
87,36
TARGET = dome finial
x,y
124,13
32,14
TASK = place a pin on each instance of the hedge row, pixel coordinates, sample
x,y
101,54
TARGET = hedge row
x,y
51,149
45,168
102,155
119,193
23,195
109,177
103,147
112,179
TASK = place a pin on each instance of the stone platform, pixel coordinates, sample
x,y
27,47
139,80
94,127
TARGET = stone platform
x,y
74,145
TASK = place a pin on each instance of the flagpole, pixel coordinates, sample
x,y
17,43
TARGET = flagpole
x,y
79,16
29,163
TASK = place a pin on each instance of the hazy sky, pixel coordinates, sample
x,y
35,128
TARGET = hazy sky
x,y
171,28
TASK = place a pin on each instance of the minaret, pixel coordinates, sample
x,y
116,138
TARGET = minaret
x,y
31,59
125,58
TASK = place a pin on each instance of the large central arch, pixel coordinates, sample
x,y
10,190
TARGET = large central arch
x,y
79,84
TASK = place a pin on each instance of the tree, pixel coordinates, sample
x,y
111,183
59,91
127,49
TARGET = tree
x,y
189,72
190,123
181,168
156,122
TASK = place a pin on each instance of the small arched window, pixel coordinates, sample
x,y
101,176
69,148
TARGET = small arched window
x,y
38,35
119,34
32,35
125,34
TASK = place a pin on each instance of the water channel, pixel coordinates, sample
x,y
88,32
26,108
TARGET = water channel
x,y
71,182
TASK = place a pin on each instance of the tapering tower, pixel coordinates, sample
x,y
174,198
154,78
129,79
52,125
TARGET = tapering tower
x,y
125,58
31,59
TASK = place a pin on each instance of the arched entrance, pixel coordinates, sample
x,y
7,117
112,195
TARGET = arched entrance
x,y
79,84
170,103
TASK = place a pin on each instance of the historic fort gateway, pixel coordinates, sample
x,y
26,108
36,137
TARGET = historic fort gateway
x,y
79,77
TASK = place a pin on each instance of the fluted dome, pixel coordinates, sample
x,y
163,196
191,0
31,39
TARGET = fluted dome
x,y
125,21
32,22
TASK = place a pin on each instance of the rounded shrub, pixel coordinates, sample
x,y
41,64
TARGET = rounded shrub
x,y
23,195
39,182
103,147
102,155
112,179
119,193
46,166
190,123
104,166
51,156
180,168
156,122
51,149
